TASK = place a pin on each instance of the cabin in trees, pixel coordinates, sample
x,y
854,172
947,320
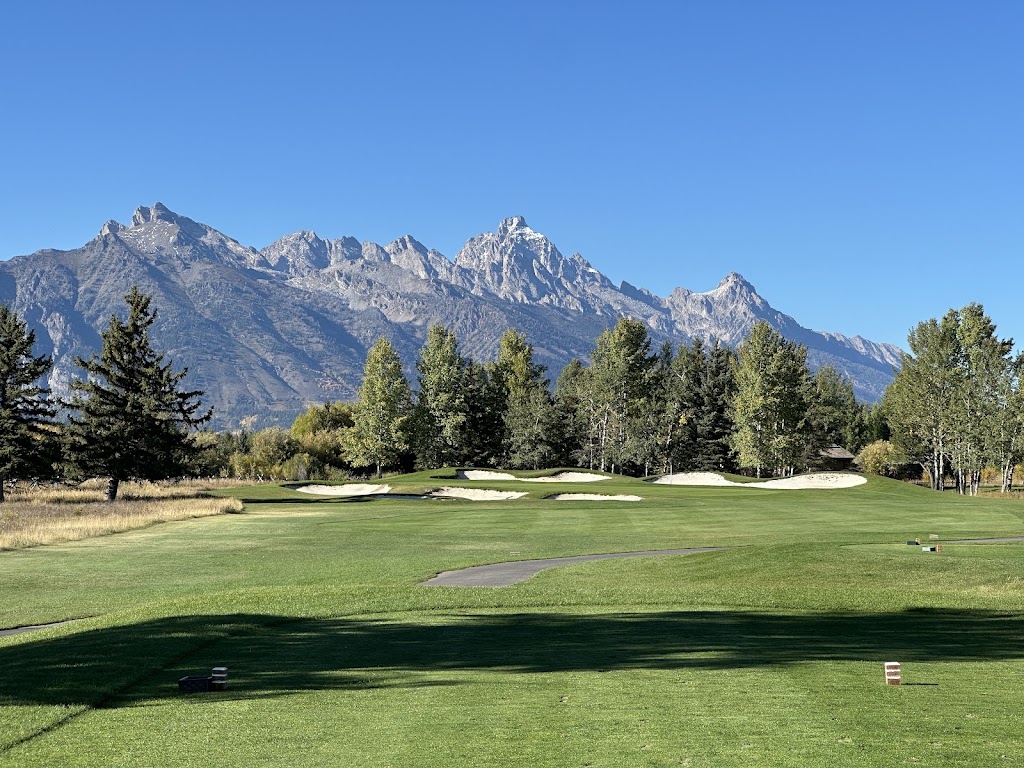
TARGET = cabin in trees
x,y
835,458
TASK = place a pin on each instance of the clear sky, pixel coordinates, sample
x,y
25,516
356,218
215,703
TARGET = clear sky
x,y
861,162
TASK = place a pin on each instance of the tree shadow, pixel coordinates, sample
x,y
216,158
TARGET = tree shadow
x,y
274,655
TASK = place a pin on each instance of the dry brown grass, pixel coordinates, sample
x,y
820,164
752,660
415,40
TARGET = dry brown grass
x,y
54,514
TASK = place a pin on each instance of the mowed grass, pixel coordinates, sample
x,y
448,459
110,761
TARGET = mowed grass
x,y
766,654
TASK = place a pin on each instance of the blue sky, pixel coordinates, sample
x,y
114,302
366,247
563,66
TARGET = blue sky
x,y
861,163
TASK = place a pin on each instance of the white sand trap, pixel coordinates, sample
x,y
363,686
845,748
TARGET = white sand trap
x,y
694,478
349,489
817,480
593,497
483,474
567,477
476,494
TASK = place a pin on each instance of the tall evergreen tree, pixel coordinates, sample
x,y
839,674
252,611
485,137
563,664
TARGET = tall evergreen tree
x,y
574,403
835,416
440,414
380,416
714,427
130,419
24,408
483,436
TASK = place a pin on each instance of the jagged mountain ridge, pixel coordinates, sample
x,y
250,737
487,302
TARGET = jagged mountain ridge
x,y
266,332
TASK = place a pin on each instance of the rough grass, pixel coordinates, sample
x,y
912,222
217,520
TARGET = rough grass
x,y
768,654
54,514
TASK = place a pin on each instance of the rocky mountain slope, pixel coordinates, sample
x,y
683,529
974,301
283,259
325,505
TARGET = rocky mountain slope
x,y
266,332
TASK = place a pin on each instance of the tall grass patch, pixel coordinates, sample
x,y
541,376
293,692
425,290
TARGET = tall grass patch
x,y
55,514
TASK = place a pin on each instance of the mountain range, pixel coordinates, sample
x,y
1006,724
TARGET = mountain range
x,y
267,332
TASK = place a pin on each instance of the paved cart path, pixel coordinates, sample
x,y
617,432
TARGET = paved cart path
x,y
505,574
33,627
1002,540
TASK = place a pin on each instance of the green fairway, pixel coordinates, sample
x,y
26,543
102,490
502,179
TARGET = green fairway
x,y
769,653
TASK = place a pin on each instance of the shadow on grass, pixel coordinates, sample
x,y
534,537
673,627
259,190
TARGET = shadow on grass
x,y
309,500
272,655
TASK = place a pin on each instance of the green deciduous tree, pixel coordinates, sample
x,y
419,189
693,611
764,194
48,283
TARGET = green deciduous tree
x,y
772,399
527,408
953,404
380,416
440,414
620,380
24,408
129,418
320,432
878,458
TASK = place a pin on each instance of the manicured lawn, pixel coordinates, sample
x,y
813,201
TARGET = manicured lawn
x,y
766,654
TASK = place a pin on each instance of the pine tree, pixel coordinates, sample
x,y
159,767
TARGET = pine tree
x,y
573,404
380,417
132,419
715,426
835,416
24,409
483,436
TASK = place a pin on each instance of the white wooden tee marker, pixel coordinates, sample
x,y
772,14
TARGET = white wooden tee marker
x,y
892,673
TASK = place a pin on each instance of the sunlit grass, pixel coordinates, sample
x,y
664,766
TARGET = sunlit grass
x,y
765,654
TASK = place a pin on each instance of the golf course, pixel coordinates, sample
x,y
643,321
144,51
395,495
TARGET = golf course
x,y
765,650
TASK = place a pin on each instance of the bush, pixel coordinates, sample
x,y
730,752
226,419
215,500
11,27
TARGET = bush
x,y
878,458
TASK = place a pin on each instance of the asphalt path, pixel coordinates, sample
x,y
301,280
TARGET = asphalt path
x,y
33,627
506,574
1003,540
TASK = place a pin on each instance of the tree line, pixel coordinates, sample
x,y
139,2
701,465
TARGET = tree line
x,y
631,409
953,409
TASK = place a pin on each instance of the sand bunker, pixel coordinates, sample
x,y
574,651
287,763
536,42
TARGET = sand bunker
x,y
561,477
482,474
592,497
817,480
567,477
476,494
694,478
349,489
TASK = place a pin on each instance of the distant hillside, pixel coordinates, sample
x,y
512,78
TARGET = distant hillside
x,y
267,332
